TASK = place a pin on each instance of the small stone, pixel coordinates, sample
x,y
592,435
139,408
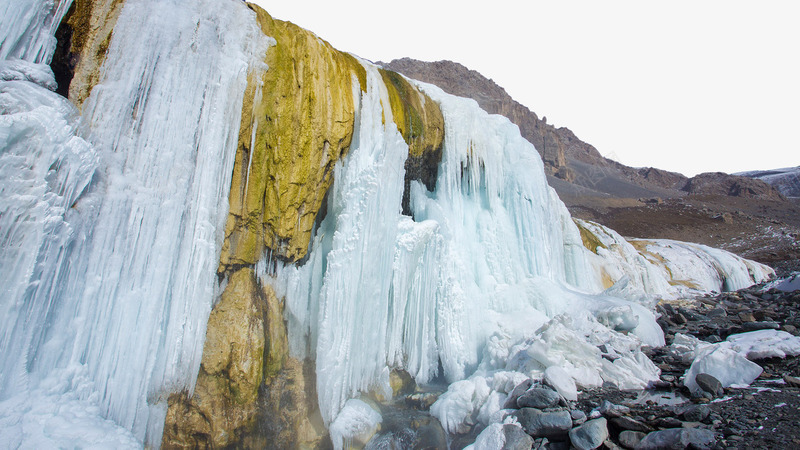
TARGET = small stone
x,y
611,410
679,319
789,329
792,381
709,384
717,312
668,378
578,417
746,317
669,422
677,438
755,326
540,398
629,439
626,423
696,413
590,435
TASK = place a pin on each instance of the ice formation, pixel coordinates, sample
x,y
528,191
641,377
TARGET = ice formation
x,y
356,423
730,361
490,268
112,221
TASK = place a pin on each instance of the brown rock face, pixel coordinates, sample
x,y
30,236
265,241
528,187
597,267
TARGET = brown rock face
x,y
83,39
718,183
245,333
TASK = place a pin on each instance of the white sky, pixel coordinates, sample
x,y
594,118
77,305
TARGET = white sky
x,y
689,86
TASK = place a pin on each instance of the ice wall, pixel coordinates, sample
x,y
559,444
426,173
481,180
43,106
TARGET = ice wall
x,y
112,289
490,256
648,270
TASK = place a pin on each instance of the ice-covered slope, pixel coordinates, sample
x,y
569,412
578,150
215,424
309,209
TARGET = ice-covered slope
x,y
786,180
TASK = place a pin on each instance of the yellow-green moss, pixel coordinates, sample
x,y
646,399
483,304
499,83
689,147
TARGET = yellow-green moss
x,y
303,122
418,118
589,239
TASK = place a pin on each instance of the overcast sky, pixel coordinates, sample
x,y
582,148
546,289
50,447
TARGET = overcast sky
x,y
689,86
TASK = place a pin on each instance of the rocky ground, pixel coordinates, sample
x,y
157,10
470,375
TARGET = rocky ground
x,y
762,415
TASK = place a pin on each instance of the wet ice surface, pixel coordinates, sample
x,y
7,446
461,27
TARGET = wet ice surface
x,y
113,220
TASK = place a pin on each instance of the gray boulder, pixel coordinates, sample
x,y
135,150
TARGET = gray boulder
x,y
629,439
578,417
696,413
709,384
511,401
540,398
590,435
677,438
626,423
552,425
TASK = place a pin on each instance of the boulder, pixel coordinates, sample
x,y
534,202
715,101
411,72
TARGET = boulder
x,y
710,384
590,435
540,398
696,413
552,425
511,401
611,410
677,438
629,439
626,423
578,417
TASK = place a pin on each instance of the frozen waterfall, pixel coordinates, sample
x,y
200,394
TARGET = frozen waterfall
x,y
490,256
112,222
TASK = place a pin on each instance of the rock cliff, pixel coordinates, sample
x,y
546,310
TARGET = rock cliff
x,y
718,183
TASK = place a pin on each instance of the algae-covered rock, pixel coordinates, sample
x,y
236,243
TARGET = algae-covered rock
x,y
297,121
238,340
419,119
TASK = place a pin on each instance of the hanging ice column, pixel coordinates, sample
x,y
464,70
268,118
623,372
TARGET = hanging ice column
x,y
121,323
490,251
